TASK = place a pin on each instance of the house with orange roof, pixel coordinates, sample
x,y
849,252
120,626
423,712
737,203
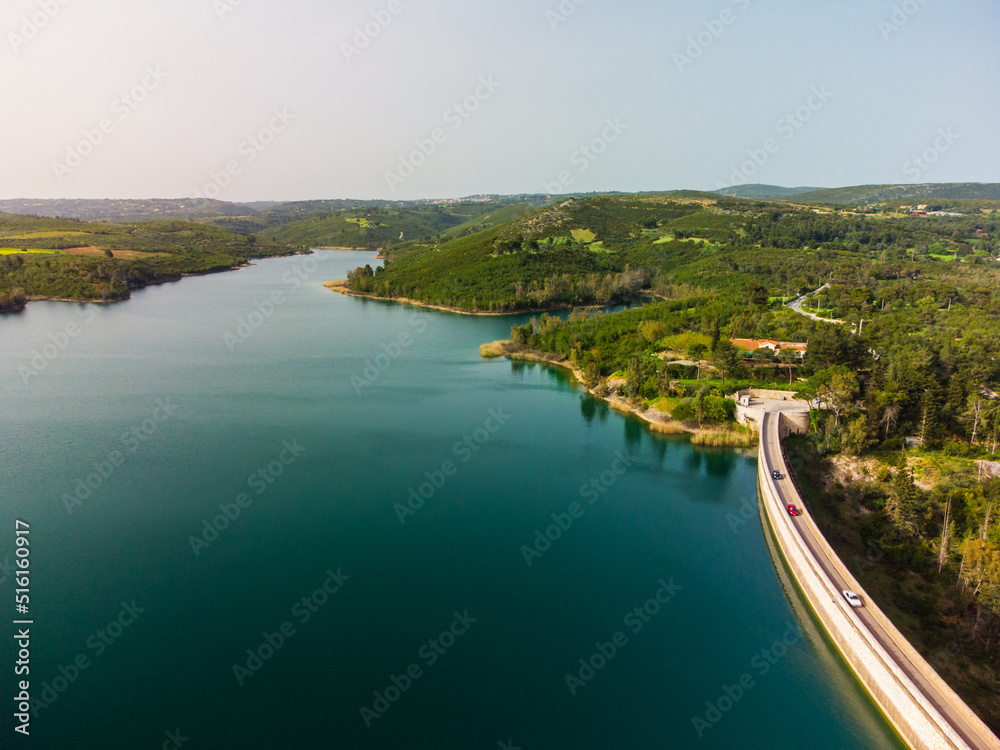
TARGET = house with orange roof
x,y
752,345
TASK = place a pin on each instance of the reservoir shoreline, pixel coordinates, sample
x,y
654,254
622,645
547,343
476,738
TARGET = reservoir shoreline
x,y
656,420
340,286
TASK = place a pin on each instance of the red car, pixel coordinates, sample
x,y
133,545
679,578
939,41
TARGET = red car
x,y
794,511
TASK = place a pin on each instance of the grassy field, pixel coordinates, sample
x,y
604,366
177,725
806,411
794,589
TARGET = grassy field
x,y
682,342
21,251
665,404
41,235
706,220
363,223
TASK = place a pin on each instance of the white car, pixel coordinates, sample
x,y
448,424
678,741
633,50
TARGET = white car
x,y
853,599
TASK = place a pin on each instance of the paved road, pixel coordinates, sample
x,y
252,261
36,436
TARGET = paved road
x,y
796,305
972,734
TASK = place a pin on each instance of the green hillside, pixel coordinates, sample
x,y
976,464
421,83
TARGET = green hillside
x,y
575,251
864,194
376,226
69,259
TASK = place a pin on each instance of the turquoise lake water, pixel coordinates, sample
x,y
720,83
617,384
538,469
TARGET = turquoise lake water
x,y
313,529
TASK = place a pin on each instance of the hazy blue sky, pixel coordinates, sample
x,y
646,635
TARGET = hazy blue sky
x,y
896,80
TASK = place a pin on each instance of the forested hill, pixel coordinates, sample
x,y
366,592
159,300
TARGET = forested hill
x,y
859,195
379,226
602,249
919,193
44,258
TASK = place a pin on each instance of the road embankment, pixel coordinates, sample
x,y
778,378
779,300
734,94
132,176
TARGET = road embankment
x,y
926,712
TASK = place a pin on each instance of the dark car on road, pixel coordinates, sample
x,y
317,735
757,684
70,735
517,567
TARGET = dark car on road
x,y
776,474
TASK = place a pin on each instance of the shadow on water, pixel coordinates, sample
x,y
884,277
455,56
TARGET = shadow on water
x,y
717,462
634,432
560,376
591,407
720,462
660,448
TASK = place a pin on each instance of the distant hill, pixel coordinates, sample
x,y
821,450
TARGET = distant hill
x,y
763,191
378,225
153,209
863,194
253,217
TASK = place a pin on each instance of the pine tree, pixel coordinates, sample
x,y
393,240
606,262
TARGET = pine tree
x,y
928,418
946,533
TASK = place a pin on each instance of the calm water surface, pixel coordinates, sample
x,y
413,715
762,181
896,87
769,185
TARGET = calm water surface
x,y
299,436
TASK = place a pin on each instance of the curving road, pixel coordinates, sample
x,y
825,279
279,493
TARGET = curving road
x,y
951,709
796,305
